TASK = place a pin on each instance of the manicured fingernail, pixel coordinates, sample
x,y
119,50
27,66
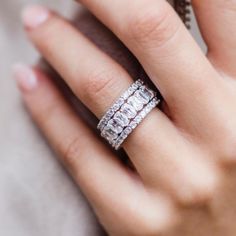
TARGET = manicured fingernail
x,y
25,77
33,16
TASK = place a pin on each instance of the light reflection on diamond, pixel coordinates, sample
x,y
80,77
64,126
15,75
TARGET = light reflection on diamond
x,y
136,103
115,126
109,134
144,94
128,110
121,119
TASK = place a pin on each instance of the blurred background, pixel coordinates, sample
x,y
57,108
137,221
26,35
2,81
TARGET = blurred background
x,y
37,197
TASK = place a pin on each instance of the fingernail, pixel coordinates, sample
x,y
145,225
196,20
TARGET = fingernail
x,y
34,16
25,77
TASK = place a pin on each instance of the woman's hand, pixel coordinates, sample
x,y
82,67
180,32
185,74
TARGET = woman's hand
x,y
176,152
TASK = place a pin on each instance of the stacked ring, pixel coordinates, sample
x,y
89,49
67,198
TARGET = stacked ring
x,y
127,113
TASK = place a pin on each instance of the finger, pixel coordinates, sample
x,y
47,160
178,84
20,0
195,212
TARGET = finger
x,y
156,35
98,81
217,20
93,76
111,189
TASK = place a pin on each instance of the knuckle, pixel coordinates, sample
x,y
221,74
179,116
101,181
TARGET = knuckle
x,y
152,25
204,191
227,148
147,225
71,152
224,149
98,85
198,189
201,196
149,221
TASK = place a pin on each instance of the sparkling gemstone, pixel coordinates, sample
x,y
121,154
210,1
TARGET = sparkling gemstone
x,y
128,130
116,107
144,94
130,90
126,95
120,101
128,110
138,83
115,125
142,114
110,112
138,119
136,103
122,119
133,125
109,134
147,92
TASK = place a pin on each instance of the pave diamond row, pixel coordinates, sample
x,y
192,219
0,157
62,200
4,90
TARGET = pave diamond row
x,y
124,117
135,122
117,105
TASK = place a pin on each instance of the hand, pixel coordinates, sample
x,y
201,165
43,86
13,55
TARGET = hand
x,y
168,150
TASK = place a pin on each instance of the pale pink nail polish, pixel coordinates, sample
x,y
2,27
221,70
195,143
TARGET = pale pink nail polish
x,y
34,16
25,77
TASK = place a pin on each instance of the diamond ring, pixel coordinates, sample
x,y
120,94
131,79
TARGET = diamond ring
x,y
127,113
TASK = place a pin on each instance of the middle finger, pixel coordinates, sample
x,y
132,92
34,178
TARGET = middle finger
x,y
155,34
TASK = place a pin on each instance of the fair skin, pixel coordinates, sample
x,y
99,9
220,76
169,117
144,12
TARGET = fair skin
x,y
178,152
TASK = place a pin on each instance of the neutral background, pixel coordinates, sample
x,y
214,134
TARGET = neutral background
x,y
37,197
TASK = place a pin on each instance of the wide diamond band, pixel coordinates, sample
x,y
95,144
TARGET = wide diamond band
x,y
135,122
117,105
127,113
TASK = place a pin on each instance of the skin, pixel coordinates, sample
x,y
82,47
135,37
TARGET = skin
x,y
180,154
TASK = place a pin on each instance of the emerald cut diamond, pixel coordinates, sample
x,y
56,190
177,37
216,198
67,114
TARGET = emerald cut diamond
x,y
128,110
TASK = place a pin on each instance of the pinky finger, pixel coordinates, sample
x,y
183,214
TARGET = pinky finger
x,y
111,188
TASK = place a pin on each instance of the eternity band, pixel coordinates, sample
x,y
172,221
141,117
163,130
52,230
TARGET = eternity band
x,y
127,113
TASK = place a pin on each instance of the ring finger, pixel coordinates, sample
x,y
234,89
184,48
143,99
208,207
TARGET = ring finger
x,y
165,48
97,80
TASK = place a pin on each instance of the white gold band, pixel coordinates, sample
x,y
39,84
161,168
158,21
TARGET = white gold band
x,y
127,113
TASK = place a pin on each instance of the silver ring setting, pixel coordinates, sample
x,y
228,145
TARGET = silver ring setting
x,y
127,113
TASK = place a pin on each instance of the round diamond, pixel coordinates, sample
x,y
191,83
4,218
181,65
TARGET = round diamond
x,y
142,114
110,113
138,118
120,101
133,125
127,131
116,107
130,90
138,83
